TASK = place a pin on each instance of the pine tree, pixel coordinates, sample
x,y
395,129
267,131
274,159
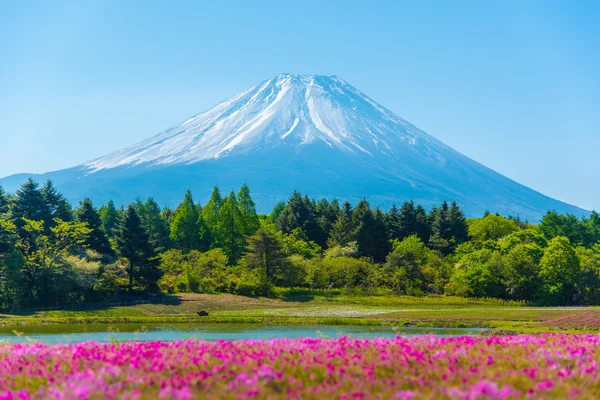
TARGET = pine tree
x,y
56,204
422,229
459,229
4,202
185,231
154,224
229,229
393,223
97,239
110,218
29,204
266,252
210,212
441,229
250,222
342,231
134,245
371,235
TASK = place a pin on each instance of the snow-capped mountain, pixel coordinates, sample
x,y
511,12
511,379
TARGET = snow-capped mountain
x,y
287,110
317,134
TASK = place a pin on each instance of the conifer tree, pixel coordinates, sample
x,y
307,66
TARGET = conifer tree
x,y
185,230
229,229
134,245
422,229
371,234
154,224
459,229
266,252
250,222
96,239
343,231
56,204
109,217
393,223
4,202
210,212
29,204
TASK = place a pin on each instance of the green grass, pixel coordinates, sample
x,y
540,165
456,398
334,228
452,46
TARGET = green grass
x,y
301,308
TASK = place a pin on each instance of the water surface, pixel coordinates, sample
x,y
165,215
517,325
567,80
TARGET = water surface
x,y
65,333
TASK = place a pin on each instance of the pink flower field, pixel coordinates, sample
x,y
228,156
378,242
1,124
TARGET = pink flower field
x,y
555,366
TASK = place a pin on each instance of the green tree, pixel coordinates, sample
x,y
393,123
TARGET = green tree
x,y
491,227
229,229
459,229
110,218
57,206
154,223
249,219
521,271
133,244
185,228
4,202
343,231
96,240
29,204
559,269
266,254
211,211
371,234
404,266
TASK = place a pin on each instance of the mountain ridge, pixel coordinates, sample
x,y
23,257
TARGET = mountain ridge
x,y
314,133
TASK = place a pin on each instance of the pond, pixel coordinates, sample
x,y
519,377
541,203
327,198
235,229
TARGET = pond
x,y
169,332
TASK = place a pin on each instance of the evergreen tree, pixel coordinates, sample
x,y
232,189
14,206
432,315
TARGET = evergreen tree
x,y
211,211
371,235
422,228
29,204
96,239
294,215
250,221
441,229
393,223
343,231
56,205
327,215
4,202
154,224
134,245
229,229
310,225
185,230
408,220
266,252
110,218
459,229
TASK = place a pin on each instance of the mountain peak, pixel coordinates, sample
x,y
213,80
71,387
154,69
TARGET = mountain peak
x,y
291,111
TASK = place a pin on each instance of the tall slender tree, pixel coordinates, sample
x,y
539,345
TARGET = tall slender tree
x,y
250,222
134,245
185,230
110,218
211,211
229,229
56,205
29,204
96,240
343,231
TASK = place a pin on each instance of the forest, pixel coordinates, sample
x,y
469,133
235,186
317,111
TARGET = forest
x,y
53,254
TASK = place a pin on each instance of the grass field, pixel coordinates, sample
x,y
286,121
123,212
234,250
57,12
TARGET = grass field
x,y
334,310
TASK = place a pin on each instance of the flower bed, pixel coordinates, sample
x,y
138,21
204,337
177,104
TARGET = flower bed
x,y
529,366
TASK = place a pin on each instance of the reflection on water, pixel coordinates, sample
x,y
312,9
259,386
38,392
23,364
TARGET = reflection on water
x,y
169,332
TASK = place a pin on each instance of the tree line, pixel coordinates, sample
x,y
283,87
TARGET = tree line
x,y
53,254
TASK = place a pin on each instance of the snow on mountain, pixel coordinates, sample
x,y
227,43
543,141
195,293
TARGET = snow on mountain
x,y
288,110
317,134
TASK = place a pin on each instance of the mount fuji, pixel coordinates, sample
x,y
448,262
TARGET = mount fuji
x,y
317,134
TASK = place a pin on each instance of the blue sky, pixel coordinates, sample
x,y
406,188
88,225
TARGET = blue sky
x,y
514,85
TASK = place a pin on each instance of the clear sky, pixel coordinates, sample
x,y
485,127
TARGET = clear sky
x,y
514,85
